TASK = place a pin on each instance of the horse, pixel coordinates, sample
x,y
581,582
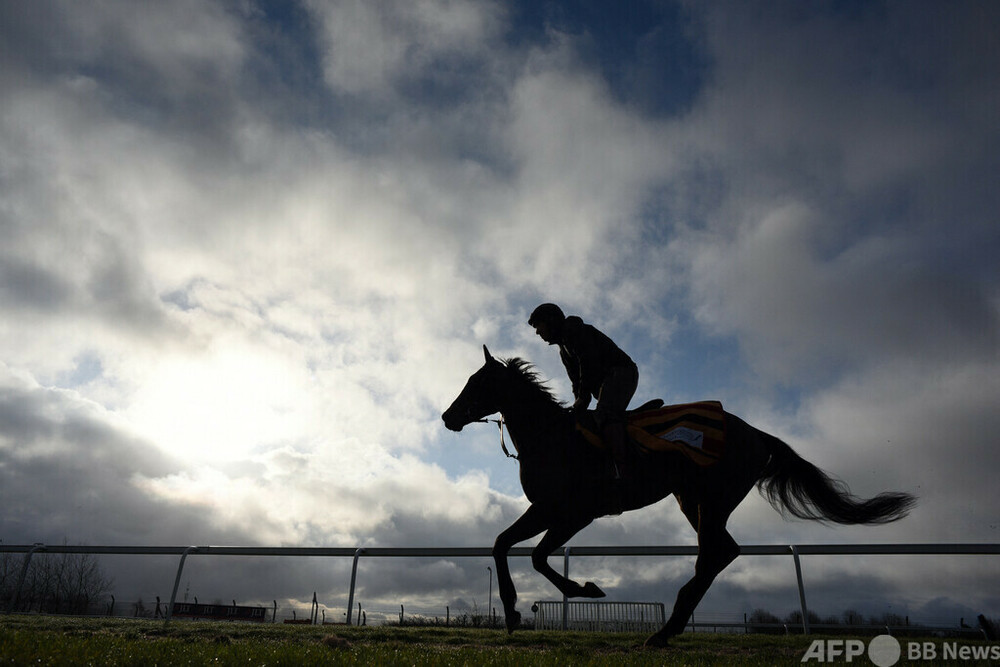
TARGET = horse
x,y
568,483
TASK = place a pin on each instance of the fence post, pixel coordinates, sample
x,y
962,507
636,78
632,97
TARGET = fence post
x,y
354,579
802,590
177,582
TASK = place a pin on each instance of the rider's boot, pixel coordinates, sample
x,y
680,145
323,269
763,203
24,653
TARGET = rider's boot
x,y
614,434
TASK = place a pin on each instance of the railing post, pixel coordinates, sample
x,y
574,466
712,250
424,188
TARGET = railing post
x,y
354,579
802,590
24,571
565,624
177,582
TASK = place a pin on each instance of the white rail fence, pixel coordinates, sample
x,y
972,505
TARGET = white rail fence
x,y
795,551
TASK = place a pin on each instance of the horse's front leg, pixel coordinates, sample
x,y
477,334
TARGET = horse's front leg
x,y
561,531
530,523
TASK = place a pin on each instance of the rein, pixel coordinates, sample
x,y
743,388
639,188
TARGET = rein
x,y
503,445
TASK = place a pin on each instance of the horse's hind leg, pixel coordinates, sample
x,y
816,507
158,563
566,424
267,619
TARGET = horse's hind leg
x,y
558,535
716,550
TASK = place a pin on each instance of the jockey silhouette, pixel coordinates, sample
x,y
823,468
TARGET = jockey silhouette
x,y
596,367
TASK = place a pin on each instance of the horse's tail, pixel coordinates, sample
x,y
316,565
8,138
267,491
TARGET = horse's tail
x,y
791,483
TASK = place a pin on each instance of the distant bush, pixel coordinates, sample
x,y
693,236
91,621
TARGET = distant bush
x,y
764,622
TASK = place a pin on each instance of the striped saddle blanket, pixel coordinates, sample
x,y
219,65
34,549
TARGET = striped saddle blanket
x,y
696,430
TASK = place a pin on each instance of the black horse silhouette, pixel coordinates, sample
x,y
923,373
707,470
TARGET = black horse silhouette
x,y
568,485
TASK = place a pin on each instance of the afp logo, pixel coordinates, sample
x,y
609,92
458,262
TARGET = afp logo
x,y
883,651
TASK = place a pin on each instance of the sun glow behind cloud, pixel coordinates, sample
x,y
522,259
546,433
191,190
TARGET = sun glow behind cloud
x,y
223,404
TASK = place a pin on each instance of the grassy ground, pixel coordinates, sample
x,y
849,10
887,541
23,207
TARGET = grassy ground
x,y
46,640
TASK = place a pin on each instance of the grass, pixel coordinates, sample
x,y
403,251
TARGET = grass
x,y
51,640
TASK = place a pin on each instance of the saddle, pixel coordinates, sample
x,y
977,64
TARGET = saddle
x,y
695,430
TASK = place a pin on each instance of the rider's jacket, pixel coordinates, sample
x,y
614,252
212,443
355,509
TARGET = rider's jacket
x,y
588,356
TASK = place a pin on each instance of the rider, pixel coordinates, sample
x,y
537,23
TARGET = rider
x,y
596,367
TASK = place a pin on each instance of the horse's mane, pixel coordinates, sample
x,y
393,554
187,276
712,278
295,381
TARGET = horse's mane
x,y
526,373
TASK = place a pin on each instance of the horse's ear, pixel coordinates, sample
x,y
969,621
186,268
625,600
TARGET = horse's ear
x,y
486,353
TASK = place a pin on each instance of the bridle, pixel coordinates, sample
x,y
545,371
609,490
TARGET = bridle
x,y
503,445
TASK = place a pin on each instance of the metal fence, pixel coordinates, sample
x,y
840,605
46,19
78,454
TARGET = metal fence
x,y
795,551
600,616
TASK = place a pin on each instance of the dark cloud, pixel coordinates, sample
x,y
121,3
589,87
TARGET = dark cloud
x,y
649,52
31,287
68,474
102,283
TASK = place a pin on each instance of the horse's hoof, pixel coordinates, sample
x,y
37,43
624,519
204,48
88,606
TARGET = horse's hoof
x,y
591,590
513,622
659,640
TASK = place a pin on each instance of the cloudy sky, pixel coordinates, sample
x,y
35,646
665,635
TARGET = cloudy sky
x,y
251,250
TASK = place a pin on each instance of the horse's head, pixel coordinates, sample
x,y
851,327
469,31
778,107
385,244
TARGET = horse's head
x,y
479,398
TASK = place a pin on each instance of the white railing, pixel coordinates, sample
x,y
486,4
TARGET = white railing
x,y
796,551
600,616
